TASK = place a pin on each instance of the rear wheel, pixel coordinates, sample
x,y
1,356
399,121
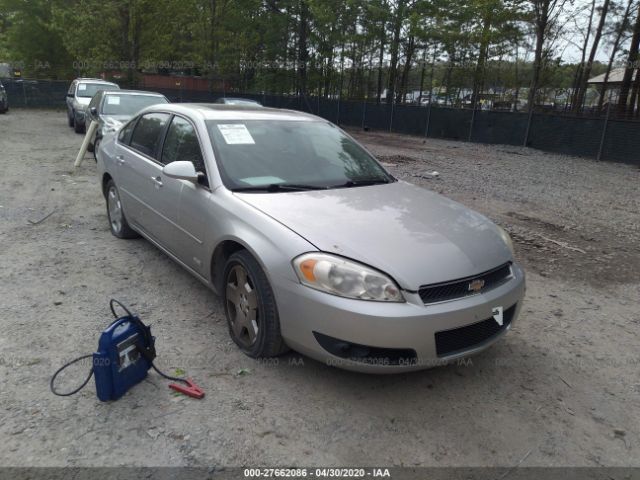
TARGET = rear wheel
x,y
250,307
117,220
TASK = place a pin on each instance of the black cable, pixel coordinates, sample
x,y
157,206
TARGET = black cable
x,y
113,302
169,377
149,353
53,379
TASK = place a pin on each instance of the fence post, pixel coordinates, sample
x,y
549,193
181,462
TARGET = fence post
x,y
393,103
338,113
364,112
604,129
527,130
426,128
473,116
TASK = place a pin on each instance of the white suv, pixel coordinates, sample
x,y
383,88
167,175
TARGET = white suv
x,y
78,97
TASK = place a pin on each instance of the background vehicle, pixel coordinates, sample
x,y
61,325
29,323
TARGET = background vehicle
x,y
237,101
284,222
112,108
78,97
4,100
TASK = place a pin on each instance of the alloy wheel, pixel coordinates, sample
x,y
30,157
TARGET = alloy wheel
x,y
115,209
242,306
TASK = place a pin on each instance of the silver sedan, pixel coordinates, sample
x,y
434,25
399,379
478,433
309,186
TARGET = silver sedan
x,y
311,243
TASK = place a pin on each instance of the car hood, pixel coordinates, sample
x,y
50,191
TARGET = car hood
x,y
84,100
415,235
117,118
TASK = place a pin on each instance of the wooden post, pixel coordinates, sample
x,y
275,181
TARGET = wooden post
x,y
91,130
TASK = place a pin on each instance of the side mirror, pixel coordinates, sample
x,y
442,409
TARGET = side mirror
x,y
93,111
181,171
69,95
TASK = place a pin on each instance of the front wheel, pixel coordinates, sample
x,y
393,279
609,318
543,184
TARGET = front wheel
x,y
70,118
117,221
96,144
250,307
77,126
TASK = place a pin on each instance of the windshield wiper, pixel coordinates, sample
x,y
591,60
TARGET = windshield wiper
x,y
278,187
361,183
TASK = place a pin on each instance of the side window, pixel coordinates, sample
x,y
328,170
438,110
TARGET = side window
x,y
147,133
72,88
95,101
125,134
181,144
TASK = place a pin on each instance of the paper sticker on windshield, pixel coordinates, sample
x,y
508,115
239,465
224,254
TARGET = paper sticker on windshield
x,y
236,134
111,100
82,86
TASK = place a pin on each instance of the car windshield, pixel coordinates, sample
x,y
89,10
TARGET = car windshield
x,y
128,104
278,155
90,89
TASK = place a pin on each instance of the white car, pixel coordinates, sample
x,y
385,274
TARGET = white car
x,y
79,95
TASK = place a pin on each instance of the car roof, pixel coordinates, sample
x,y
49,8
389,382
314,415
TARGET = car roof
x,y
239,99
218,111
95,80
133,92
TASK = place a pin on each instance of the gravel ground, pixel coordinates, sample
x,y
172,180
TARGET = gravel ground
x,y
562,388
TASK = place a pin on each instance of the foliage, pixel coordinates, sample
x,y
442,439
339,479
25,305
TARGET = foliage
x,y
383,49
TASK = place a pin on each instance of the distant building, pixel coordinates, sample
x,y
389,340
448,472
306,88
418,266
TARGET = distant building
x,y
613,83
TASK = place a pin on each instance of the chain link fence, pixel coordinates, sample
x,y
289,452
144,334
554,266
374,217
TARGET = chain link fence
x,y
603,138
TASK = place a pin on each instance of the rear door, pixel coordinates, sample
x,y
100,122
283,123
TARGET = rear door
x,y
140,177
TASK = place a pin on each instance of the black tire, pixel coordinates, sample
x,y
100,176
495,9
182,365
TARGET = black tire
x,y
77,126
119,226
70,118
96,144
267,342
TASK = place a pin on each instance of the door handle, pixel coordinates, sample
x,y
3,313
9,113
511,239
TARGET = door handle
x,y
120,160
157,180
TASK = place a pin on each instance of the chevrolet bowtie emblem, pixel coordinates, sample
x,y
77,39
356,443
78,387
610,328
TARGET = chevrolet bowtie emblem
x,y
476,285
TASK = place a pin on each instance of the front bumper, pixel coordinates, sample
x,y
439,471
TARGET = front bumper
x,y
410,326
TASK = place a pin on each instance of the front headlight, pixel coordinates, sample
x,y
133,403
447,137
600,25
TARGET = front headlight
x,y
345,278
506,238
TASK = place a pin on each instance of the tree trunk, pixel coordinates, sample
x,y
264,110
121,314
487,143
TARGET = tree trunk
x,y
478,75
542,21
303,50
422,72
616,46
380,61
630,68
582,90
395,48
577,79
407,67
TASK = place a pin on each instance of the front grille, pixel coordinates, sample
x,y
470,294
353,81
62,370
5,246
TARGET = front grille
x,y
458,340
441,292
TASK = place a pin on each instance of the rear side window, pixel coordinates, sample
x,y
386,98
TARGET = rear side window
x,y
147,133
181,144
124,136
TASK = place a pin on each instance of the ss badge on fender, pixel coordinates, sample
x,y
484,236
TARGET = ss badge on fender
x,y
497,315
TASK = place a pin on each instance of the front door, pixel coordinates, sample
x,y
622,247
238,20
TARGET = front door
x,y
187,236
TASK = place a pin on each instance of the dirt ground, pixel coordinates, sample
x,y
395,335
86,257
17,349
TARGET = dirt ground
x,y
562,388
